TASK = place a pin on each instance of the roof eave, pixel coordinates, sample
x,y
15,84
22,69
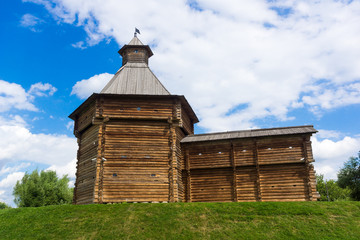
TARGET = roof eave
x,y
87,102
188,139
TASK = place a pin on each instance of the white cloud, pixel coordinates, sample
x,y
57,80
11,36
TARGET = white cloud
x,y
30,21
79,44
67,168
325,96
13,95
86,87
12,120
7,170
19,144
41,90
224,54
6,187
330,134
70,125
11,179
330,155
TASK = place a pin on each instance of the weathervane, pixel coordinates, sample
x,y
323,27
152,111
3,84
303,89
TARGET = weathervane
x,y
136,31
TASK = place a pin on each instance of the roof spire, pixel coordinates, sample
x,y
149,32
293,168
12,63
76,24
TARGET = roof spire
x,y
135,51
135,76
136,31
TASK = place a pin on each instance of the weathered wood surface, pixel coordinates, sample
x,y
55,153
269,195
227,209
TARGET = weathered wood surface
x,y
130,150
137,161
86,166
262,169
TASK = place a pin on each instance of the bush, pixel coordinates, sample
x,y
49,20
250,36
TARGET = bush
x,y
336,193
42,189
4,205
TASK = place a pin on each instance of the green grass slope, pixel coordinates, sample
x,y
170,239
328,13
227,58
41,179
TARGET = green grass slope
x,y
259,220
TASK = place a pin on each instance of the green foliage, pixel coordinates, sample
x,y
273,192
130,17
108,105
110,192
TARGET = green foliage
x,y
335,192
42,189
254,220
4,205
349,176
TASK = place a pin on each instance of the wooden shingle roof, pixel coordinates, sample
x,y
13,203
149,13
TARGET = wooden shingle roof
x,y
135,78
249,133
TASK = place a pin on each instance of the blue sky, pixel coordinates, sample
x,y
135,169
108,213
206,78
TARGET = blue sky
x,y
256,65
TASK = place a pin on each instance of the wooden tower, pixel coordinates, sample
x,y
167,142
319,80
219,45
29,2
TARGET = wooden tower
x,y
137,144
129,136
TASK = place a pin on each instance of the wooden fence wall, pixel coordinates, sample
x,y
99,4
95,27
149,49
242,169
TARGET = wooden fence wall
x,y
258,169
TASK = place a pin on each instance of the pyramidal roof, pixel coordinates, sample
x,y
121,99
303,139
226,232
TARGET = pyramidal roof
x,y
135,76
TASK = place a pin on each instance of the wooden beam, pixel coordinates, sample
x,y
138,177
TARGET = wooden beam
x,y
258,184
307,169
172,159
100,161
77,170
234,181
188,176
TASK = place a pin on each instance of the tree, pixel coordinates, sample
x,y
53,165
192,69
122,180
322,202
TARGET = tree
x,y
349,176
4,205
332,189
42,189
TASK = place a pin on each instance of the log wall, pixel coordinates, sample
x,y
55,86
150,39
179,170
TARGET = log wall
x,y
137,156
257,169
136,109
86,166
130,150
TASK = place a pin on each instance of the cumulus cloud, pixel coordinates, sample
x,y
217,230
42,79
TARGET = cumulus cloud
x,y
11,179
7,170
13,95
41,90
30,21
86,87
330,155
268,57
67,168
19,144
6,186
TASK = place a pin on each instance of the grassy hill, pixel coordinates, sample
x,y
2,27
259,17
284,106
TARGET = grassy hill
x,y
259,220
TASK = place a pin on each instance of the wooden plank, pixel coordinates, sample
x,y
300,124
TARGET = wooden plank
x,y
307,170
100,160
258,183
188,176
234,181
